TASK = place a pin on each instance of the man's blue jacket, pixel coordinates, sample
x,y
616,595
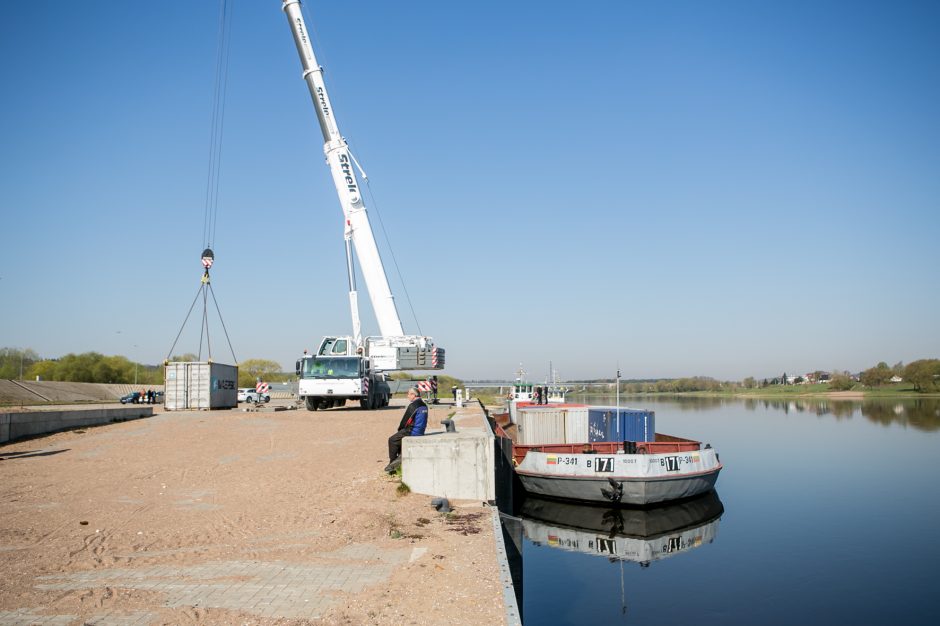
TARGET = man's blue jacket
x,y
420,421
415,418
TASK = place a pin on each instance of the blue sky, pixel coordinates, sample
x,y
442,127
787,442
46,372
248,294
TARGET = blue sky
x,y
685,188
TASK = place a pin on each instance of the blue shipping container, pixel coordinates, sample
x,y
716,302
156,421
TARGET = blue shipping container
x,y
611,424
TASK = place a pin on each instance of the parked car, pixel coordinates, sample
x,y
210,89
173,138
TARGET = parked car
x,y
249,395
135,397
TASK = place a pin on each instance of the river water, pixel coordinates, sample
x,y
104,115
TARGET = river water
x,y
825,513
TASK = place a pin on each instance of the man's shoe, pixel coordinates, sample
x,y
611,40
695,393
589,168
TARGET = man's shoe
x,y
394,465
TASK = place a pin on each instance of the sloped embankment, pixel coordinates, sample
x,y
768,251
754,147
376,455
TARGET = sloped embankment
x,y
24,392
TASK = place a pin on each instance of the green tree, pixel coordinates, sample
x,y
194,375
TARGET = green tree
x,y
841,382
251,370
924,374
749,382
44,370
77,368
92,367
15,363
876,376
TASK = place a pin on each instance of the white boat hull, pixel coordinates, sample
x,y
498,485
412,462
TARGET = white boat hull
x,y
636,479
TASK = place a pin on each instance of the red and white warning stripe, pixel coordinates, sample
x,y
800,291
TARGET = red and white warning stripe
x,y
437,358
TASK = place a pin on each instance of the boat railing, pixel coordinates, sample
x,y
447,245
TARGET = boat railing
x,y
672,445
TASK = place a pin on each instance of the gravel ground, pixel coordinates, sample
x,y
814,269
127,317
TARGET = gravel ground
x,y
235,517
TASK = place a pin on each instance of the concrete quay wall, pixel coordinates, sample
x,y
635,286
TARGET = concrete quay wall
x,y
31,423
457,465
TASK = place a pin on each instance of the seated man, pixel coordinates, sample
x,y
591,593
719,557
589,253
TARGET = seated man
x,y
412,424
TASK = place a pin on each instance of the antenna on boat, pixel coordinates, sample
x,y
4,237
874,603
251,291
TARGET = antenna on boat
x,y
623,597
618,390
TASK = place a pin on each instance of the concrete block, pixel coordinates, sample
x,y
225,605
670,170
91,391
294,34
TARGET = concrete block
x,y
450,465
32,423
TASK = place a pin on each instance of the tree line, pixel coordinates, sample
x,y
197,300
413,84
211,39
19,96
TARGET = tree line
x,y
923,374
94,367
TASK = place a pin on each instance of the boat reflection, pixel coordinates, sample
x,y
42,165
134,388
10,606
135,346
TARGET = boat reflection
x,y
638,535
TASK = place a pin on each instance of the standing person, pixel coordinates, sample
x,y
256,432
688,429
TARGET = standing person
x,y
412,424
453,391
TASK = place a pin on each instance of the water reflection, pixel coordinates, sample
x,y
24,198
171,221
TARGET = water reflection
x,y
922,414
621,535
919,413
638,535
683,403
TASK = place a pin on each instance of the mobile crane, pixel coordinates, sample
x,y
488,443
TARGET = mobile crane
x,y
352,367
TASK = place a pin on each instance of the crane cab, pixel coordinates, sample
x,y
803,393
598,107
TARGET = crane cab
x,y
337,346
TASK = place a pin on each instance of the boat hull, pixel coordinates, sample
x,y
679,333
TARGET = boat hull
x,y
633,479
635,491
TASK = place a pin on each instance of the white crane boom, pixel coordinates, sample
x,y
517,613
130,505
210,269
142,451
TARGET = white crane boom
x,y
338,158
392,350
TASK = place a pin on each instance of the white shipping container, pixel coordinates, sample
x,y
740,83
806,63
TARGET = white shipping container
x,y
540,425
200,385
576,425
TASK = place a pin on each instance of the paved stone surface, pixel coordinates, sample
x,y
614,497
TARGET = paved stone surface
x,y
230,518
264,588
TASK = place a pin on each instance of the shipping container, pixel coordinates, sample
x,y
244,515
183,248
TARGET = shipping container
x,y
540,424
576,424
200,385
639,425
612,424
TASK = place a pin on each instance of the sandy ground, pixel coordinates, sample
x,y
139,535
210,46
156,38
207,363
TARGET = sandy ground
x,y
845,395
137,522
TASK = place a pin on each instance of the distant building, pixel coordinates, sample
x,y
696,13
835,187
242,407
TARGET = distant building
x,y
896,379
817,377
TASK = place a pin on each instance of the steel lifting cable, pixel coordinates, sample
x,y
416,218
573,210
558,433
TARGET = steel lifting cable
x,y
191,306
374,203
224,330
205,327
213,183
220,88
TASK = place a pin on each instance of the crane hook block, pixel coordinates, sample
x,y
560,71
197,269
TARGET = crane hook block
x,y
207,258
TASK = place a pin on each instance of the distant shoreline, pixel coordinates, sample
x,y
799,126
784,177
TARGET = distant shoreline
x,y
786,394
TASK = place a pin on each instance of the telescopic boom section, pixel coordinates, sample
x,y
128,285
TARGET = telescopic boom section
x,y
347,186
